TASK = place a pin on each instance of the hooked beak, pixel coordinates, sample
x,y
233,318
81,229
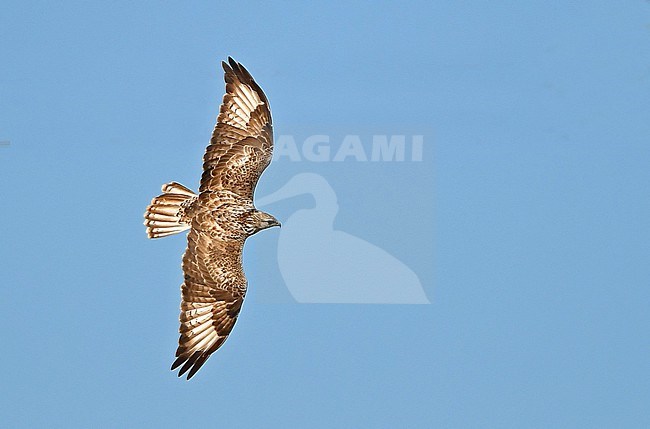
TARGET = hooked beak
x,y
270,222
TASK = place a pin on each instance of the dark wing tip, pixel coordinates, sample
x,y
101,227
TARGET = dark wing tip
x,y
192,363
187,362
178,362
197,365
231,66
239,71
226,67
236,71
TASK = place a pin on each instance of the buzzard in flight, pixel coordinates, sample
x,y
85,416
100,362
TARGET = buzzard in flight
x,y
220,219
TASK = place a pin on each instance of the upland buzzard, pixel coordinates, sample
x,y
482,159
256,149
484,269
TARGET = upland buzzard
x,y
220,219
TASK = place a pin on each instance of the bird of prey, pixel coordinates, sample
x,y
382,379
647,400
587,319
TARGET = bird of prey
x,y
219,218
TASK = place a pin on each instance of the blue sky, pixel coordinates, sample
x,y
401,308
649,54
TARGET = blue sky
x,y
526,221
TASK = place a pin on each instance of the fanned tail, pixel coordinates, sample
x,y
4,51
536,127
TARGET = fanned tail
x,y
164,214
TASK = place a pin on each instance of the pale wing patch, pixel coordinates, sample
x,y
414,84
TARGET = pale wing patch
x,y
240,101
203,329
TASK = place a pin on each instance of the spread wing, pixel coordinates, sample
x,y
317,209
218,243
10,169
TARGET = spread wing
x,y
242,141
212,295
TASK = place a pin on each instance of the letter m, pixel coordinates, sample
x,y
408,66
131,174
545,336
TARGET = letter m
x,y
388,148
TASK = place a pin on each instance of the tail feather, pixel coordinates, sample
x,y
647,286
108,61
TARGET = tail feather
x,y
164,214
177,189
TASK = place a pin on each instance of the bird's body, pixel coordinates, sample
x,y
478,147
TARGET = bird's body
x,y
220,219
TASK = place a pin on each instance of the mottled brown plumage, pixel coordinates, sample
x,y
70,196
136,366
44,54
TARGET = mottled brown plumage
x,y
219,218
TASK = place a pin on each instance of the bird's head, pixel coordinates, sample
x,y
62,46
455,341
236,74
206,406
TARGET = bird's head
x,y
255,221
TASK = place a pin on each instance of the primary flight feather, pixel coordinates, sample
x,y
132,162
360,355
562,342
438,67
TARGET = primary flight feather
x,y
220,219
